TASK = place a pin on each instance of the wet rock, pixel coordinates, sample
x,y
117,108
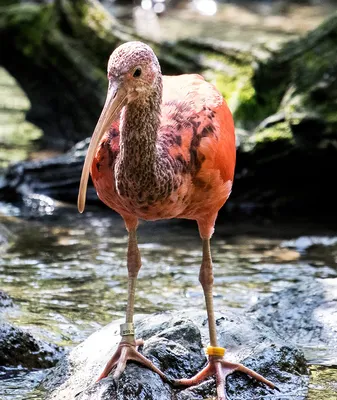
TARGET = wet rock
x,y
304,315
57,178
174,343
20,348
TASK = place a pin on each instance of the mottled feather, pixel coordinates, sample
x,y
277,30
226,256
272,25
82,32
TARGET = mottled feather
x,y
197,133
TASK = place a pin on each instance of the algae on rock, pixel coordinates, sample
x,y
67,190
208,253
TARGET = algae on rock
x,y
289,160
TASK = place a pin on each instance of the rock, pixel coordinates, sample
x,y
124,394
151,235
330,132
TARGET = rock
x,y
287,163
57,178
304,315
20,348
173,342
36,39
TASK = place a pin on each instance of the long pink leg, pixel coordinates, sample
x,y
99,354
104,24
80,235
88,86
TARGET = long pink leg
x,y
217,365
127,349
206,279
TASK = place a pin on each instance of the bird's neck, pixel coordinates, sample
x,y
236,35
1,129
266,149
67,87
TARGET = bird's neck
x,y
140,121
138,158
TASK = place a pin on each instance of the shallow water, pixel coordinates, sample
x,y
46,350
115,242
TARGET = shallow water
x,y
67,276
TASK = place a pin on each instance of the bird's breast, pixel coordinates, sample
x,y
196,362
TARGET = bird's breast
x,y
182,197
147,192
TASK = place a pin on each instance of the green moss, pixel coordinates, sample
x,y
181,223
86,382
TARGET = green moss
x,y
97,19
277,132
88,16
269,143
226,84
18,133
240,95
331,114
309,68
8,156
315,65
234,79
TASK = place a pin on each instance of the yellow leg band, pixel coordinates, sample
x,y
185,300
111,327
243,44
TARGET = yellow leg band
x,y
215,351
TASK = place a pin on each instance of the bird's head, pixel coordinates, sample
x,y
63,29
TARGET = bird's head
x,y
133,70
133,73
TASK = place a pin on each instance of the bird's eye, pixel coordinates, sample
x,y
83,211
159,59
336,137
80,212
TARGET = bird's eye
x,y
137,73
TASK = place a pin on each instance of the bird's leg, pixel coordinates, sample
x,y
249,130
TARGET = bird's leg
x,y
127,349
216,364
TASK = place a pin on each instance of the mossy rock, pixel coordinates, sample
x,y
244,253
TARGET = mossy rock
x,y
303,75
17,136
277,174
288,161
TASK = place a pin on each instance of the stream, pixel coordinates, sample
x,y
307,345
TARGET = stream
x,y
66,274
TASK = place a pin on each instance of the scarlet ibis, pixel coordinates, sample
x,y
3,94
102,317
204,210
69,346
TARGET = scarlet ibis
x,y
163,147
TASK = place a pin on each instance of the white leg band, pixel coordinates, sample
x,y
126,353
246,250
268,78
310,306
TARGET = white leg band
x,y
127,329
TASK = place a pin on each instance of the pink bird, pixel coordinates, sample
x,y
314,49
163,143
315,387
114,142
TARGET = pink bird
x,y
163,147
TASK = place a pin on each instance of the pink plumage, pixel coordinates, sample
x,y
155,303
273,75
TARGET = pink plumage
x,y
164,147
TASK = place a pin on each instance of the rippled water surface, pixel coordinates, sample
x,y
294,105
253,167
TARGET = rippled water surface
x,y
67,275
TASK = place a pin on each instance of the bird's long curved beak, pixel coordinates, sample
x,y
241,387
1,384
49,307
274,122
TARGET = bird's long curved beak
x,y
115,101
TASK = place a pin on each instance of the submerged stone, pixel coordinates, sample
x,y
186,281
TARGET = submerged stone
x,y
174,342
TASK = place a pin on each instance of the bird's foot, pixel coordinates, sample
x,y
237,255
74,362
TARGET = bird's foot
x,y
128,351
221,369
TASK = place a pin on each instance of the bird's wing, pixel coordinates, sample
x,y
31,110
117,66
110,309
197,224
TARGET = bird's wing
x,y
199,124
191,89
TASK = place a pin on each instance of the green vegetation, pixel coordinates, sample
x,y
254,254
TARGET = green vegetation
x,y
17,136
279,132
